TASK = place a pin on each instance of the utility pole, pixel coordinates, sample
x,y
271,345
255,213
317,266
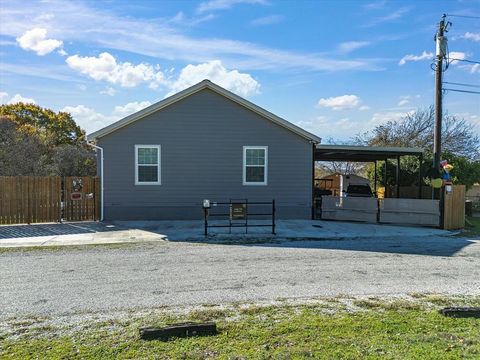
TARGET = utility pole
x,y
441,51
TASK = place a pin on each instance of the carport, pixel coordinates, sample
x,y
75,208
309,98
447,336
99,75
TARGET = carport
x,y
416,211
371,154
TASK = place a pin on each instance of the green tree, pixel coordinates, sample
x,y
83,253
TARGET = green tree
x,y
20,153
73,160
39,141
54,128
465,171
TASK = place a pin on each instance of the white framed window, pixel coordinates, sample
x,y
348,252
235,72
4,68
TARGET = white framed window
x,y
255,165
147,165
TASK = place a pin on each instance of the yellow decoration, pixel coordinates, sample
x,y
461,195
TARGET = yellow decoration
x,y
448,167
437,183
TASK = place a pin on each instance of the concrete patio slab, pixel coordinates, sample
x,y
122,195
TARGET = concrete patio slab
x,y
86,233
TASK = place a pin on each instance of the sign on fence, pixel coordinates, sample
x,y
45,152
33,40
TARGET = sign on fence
x,y
238,211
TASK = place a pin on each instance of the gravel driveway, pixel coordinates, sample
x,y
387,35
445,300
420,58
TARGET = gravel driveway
x,y
144,275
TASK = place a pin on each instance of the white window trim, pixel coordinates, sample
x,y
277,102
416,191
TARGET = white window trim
x,y
158,147
265,182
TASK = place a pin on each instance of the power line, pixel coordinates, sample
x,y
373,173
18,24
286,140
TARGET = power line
x,y
464,16
462,91
461,84
469,61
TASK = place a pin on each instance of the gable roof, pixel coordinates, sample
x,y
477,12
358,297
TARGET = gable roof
x,y
205,84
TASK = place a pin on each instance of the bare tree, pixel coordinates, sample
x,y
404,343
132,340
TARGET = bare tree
x,y
341,167
416,130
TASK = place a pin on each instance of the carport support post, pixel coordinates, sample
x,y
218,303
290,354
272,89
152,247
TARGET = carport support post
x,y
375,181
385,179
397,176
420,177
313,181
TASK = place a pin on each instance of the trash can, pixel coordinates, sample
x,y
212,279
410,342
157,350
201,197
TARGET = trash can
x,y
468,207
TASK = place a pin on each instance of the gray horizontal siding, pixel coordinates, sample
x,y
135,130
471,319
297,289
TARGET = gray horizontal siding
x,y
202,139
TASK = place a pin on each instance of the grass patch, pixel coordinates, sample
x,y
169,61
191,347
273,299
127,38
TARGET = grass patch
x,y
446,301
59,248
472,227
395,329
396,305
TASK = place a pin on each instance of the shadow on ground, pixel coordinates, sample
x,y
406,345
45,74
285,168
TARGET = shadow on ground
x,y
434,246
326,235
55,229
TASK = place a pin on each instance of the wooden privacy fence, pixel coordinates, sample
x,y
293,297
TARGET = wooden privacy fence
x,y
29,199
454,208
35,199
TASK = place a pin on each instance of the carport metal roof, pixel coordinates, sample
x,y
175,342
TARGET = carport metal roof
x,y
362,153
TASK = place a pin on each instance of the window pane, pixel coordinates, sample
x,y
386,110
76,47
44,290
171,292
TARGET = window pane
x,y
148,173
255,156
255,174
147,155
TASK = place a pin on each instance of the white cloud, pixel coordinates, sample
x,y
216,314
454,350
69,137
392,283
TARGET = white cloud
x,y
91,120
338,128
392,16
456,55
240,83
87,118
4,99
375,5
109,91
267,20
474,68
81,22
472,119
344,102
424,56
36,40
18,98
364,108
214,5
350,46
105,67
130,108
404,100
181,19
471,36
380,118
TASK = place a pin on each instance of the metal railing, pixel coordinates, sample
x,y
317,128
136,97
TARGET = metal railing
x,y
239,213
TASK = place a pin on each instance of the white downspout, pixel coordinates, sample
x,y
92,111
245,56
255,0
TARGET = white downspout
x,y
101,177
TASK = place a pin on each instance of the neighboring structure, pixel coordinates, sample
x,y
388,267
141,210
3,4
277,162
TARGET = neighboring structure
x,y
333,182
204,143
474,193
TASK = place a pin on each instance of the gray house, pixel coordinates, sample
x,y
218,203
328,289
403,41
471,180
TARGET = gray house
x,y
203,143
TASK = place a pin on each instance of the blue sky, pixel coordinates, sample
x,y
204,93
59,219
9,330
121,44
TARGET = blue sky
x,y
336,68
